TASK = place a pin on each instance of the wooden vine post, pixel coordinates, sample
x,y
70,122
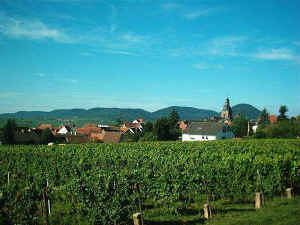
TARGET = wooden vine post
x,y
140,204
259,196
137,219
258,200
46,204
289,193
207,211
8,178
206,207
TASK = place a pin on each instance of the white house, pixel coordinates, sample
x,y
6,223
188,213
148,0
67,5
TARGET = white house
x,y
207,131
63,130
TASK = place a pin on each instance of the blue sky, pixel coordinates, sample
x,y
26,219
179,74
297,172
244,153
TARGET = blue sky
x,y
149,54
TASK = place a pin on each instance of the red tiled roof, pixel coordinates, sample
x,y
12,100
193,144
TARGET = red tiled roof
x,y
89,125
44,126
88,130
273,119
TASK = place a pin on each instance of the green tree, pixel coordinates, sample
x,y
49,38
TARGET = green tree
x,y
239,126
148,136
46,136
263,118
9,131
119,122
161,129
148,127
282,113
174,118
130,137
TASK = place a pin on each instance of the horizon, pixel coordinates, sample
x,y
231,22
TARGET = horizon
x,y
145,54
135,109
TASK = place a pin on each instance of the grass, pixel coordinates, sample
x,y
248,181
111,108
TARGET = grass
x,y
278,211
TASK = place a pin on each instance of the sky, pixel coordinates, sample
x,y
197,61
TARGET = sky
x,y
149,54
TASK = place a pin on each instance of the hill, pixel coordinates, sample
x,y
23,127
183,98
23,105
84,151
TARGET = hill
x,y
112,114
246,110
186,113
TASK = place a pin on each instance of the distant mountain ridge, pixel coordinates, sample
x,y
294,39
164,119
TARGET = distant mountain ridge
x,y
185,113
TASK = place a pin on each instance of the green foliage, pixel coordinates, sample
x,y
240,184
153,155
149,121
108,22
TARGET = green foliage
x,y
174,118
96,183
281,129
161,129
246,110
282,112
148,127
130,137
148,136
9,131
166,128
240,126
263,118
46,136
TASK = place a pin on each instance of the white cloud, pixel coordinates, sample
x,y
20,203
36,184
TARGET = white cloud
x,y
202,12
32,29
196,14
10,94
117,52
226,45
296,43
204,66
171,6
131,38
87,54
275,54
200,66
41,74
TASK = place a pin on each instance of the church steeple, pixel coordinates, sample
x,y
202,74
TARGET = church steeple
x,y
226,112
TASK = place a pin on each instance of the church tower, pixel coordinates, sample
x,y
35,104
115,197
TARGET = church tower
x,y
226,112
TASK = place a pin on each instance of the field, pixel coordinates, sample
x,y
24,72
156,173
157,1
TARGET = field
x,y
106,184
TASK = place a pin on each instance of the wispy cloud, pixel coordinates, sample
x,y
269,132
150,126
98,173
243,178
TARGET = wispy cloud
x,y
32,29
226,45
296,43
171,6
10,94
40,74
70,81
200,66
132,38
202,12
87,54
275,54
205,66
119,52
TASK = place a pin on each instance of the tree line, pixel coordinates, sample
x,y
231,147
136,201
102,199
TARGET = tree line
x,y
163,129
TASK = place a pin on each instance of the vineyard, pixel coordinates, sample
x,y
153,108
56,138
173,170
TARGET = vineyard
x,y
106,184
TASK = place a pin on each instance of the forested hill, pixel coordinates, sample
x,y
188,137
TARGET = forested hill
x,y
246,110
185,113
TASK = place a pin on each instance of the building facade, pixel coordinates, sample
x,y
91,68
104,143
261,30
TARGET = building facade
x,y
226,113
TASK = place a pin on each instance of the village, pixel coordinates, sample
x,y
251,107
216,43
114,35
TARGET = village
x,y
213,128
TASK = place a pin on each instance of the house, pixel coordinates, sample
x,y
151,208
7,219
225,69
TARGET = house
x,y
64,130
207,131
134,127
273,119
106,137
182,125
88,130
